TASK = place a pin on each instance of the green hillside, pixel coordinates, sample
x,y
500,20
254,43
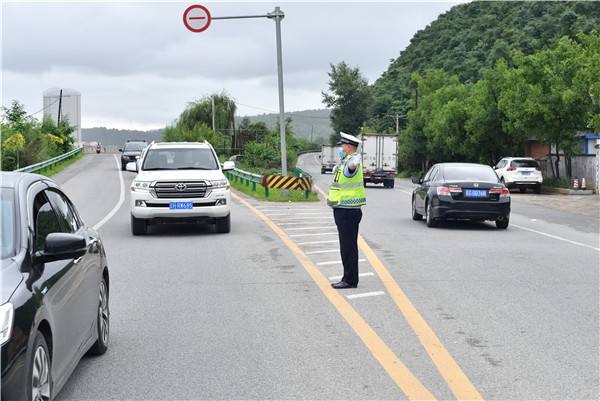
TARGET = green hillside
x,y
470,38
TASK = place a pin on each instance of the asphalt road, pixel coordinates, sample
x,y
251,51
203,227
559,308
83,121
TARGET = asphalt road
x,y
460,311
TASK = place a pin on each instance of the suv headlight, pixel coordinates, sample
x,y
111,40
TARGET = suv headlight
x,y
140,186
220,184
7,314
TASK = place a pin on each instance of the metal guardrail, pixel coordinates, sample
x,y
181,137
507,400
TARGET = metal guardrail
x,y
246,177
37,168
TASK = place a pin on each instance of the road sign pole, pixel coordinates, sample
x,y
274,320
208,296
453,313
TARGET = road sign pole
x,y
278,16
199,23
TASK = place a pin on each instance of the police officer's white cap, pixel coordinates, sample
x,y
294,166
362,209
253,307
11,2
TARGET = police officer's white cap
x,y
349,139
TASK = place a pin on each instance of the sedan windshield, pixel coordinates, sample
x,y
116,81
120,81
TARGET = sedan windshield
x,y
180,159
7,223
470,173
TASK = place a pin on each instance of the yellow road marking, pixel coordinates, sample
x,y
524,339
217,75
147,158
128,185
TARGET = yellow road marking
x,y
458,382
403,377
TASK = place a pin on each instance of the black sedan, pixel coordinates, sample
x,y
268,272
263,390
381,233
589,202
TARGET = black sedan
x,y
54,288
460,191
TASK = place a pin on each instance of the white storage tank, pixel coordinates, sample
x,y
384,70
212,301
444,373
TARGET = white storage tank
x,y
68,103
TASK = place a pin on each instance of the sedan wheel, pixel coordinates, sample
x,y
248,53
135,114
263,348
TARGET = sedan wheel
x,y
101,344
431,222
502,223
40,370
415,215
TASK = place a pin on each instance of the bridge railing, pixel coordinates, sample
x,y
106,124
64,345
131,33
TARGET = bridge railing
x,y
49,164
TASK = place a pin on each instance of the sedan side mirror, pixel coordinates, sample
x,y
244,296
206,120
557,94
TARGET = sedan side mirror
x,y
62,246
416,180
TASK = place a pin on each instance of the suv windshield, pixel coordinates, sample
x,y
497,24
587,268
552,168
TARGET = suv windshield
x,y
180,159
524,163
7,223
133,146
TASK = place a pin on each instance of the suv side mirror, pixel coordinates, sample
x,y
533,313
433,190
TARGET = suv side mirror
x,y
228,165
416,180
131,166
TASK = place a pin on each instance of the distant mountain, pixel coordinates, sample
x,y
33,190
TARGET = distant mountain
x,y
118,137
308,124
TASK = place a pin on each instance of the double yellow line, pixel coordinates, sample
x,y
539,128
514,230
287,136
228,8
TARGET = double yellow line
x,y
408,383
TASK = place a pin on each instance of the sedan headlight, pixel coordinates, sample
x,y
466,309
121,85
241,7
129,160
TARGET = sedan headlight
x,y
140,186
220,184
7,313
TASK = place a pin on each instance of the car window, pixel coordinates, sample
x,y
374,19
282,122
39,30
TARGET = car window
x,y
524,163
7,224
434,174
180,159
470,173
66,216
132,146
428,175
501,164
45,220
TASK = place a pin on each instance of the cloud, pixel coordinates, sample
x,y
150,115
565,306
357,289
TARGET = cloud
x,y
136,65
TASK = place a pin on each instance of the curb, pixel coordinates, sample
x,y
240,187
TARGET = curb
x,y
567,191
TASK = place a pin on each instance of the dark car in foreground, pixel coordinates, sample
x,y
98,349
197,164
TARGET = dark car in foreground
x,y
131,151
460,191
55,286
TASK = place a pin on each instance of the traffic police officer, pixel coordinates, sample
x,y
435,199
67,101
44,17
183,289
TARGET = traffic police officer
x,y
346,196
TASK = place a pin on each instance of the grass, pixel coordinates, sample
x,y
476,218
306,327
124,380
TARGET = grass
x,y
274,194
61,165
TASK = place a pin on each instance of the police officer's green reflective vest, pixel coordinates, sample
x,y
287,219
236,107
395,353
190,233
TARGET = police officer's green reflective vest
x,y
347,191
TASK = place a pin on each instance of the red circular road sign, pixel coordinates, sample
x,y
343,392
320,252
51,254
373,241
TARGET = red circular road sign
x,y
196,18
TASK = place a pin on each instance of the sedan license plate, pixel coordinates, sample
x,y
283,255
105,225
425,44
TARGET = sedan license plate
x,y
525,173
181,205
475,192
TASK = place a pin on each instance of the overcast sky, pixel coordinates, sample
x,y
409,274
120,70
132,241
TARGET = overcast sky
x,y
136,64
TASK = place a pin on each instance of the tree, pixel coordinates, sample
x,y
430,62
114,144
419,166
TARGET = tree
x,y
201,112
349,99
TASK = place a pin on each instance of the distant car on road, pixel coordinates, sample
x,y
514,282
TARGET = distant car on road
x,y
131,150
180,182
55,286
520,172
460,191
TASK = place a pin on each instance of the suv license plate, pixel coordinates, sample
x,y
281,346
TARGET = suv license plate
x,y
525,173
181,205
475,192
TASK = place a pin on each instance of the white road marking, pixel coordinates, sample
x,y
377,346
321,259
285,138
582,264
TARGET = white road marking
x,y
360,275
317,242
119,203
327,251
555,237
308,235
336,262
366,294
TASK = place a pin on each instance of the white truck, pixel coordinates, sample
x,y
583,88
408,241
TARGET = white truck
x,y
380,158
329,158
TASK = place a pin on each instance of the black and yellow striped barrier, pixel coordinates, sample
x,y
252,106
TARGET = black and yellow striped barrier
x,y
286,182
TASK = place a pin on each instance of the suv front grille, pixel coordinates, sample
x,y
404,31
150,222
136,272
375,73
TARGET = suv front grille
x,y
180,189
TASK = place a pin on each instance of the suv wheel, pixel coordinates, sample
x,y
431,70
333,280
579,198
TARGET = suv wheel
x,y
223,224
537,189
138,226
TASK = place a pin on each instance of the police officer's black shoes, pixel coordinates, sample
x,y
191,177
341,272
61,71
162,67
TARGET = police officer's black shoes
x,y
342,284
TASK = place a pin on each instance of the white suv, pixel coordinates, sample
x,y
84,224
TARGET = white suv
x,y
520,172
179,181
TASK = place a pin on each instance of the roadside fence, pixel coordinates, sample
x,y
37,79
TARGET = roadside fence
x,y
48,164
